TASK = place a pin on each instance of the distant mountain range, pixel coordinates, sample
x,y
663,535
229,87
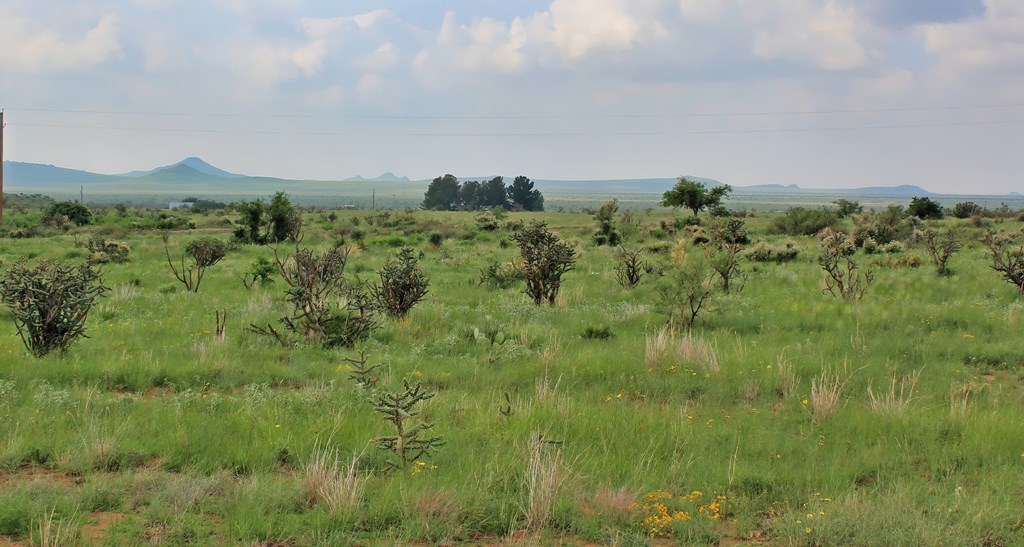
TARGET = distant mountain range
x,y
195,175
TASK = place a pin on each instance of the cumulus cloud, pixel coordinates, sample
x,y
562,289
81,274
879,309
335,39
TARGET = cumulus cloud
x,y
824,35
32,46
992,43
272,63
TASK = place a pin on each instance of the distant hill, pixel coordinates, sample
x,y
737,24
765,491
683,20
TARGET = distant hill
x,y
37,174
386,177
903,190
193,175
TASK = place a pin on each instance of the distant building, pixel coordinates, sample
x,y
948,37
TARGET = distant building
x,y
180,205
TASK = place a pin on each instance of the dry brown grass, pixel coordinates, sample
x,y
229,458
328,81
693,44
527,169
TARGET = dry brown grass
x,y
328,481
827,395
50,531
545,477
666,344
611,505
896,400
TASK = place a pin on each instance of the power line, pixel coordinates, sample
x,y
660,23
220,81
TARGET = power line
x,y
516,134
519,116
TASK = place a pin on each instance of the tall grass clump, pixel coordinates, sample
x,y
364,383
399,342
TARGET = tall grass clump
x,y
326,480
666,344
545,477
827,395
896,400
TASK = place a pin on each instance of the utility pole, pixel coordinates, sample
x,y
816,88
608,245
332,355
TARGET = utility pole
x,y
2,166
373,198
81,195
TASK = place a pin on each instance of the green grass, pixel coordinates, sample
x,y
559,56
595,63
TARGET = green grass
x,y
193,439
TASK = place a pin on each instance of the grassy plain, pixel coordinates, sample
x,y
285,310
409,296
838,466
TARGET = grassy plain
x,y
155,430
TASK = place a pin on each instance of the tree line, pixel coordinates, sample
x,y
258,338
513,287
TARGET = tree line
x,y
448,194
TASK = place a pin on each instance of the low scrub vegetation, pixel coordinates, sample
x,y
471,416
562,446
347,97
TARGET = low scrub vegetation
x,y
388,377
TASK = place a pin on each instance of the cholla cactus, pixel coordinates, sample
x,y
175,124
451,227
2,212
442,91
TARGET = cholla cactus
x,y
408,443
50,302
842,276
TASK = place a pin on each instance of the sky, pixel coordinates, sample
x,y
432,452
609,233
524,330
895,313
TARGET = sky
x,y
819,93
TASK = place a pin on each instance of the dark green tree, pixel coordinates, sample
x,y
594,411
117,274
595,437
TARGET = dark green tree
x,y
924,208
469,194
493,194
695,196
442,194
523,196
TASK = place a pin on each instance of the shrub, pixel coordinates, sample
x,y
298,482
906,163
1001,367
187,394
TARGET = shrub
x,y
50,302
602,332
764,252
887,226
924,208
435,239
630,270
894,247
842,275
75,212
845,207
687,290
260,271
1007,250
605,232
201,253
402,284
941,248
543,259
487,222
499,276
728,231
967,209
102,251
800,221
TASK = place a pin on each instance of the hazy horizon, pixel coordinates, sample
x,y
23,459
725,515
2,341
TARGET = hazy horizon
x,y
822,94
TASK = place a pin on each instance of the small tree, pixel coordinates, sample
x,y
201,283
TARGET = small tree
x,y
283,220
842,276
543,259
845,207
201,254
695,196
1007,255
402,284
50,302
941,248
687,290
925,208
606,233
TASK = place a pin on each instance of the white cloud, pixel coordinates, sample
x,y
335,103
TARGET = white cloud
x,y
383,58
272,63
825,35
992,43
31,46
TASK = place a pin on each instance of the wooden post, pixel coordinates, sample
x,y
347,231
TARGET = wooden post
x,y
2,167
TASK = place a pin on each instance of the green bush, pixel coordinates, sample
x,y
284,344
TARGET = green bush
x,y
800,221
